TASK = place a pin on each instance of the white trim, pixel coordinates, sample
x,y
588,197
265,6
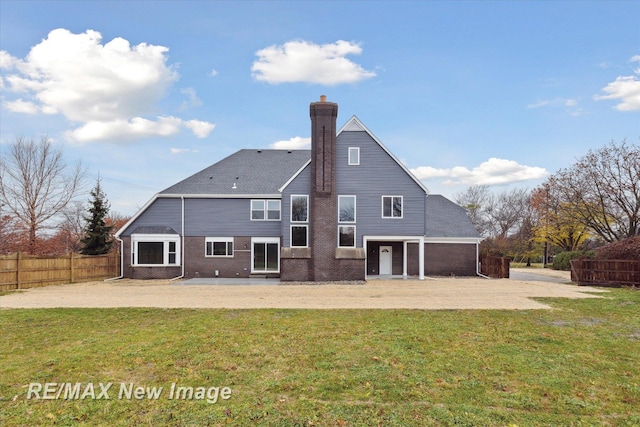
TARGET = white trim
x,y
460,240
265,240
265,210
298,224
226,240
220,196
355,204
405,240
286,184
156,238
355,235
349,162
136,216
291,209
354,124
401,207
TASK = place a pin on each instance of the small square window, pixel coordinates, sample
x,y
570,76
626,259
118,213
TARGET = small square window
x,y
354,156
273,210
299,236
257,209
392,206
346,236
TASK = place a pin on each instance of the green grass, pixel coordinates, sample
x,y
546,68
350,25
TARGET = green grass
x,y
574,365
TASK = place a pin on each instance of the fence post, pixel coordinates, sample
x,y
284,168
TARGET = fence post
x,y
18,257
70,267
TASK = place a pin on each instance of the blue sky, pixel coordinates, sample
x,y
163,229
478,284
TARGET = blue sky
x,y
147,93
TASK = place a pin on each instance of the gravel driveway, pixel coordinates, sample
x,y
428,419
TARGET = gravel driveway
x,y
430,294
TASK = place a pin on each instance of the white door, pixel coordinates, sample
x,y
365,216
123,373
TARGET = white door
x,y
386,256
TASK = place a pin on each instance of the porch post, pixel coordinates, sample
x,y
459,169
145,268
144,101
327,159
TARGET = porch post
x,y
404,259
421,258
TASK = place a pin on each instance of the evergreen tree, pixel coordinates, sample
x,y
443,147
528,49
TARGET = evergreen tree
x,y
97,240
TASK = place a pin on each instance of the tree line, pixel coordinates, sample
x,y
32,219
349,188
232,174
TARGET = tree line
x,y
593,202
40,210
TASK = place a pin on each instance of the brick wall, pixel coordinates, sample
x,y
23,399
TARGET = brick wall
x,y
198,265
444,259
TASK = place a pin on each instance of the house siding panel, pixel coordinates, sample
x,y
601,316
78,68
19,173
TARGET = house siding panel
x,y
163,211
378,175
226,218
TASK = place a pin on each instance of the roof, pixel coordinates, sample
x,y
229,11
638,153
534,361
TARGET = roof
x,y
244,172
154,229
447,219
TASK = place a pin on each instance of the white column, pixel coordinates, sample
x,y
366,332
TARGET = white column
x,y
404,259
421,258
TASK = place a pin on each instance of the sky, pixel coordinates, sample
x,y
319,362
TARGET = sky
x,y
147,93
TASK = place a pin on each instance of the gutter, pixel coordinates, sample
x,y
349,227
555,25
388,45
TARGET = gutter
x,y
478,264
121,262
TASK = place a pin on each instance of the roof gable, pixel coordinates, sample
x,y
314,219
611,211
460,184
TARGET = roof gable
x,y
355,125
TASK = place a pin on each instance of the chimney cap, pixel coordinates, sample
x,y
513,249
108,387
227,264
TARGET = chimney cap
x,y
323,98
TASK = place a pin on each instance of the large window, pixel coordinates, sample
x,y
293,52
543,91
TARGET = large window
x,y
155,249
219,246
266,255
346,208
299,236
265,210
392,206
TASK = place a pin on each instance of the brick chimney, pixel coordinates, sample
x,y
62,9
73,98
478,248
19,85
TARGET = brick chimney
x,y
323,200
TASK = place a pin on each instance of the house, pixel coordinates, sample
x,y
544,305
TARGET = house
x,y
345,210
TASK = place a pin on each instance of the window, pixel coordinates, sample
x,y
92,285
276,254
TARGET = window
x,y
354,156
266,255
299,235
392,206
155,249
219,246
346,236
346,208
299,216
265,210
299,208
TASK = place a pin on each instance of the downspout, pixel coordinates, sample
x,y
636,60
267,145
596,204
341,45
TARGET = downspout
x,y
121,261
478,263
182,242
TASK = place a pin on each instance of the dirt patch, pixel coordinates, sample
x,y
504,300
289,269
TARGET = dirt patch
x,y
430,294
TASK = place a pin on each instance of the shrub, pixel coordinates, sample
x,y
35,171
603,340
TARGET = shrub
x,y
624,249
562,261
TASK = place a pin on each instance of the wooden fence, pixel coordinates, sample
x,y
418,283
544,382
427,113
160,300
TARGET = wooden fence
x,y
606,272
495,267
20,271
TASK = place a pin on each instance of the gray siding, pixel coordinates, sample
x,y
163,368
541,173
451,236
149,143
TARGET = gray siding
x,y
164,212
226,218
301,185
378,174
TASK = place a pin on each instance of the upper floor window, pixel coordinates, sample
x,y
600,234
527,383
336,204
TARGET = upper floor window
x,y
265,210
346,208
392,206
354,156
299,208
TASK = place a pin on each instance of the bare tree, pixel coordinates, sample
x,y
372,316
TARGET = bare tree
x,y
603,190
36,185
474,200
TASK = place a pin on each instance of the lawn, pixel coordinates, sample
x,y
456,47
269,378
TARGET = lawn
x,y
574,365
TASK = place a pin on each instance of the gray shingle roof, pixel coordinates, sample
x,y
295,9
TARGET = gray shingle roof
x,y
154,229
447,219
252,171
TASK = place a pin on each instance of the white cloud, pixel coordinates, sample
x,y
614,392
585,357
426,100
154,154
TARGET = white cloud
x,y
192,98
626,89
107,88
302,61
213,73
182,150
295,143
199,128
570,106
492,172
21,106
